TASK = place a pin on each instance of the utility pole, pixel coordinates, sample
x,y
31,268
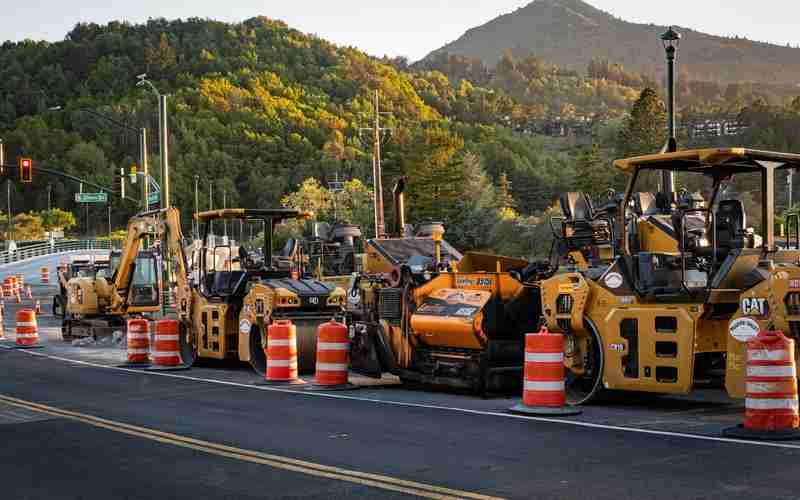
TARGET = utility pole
x,y
380,226
49,196
8,180
164,136
211,204
145,169
224,220
109,219
195,222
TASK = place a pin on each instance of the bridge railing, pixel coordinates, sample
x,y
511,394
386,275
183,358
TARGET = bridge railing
x,y
54,247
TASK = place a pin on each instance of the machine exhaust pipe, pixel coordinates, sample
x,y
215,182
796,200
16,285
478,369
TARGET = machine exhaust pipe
x,y
399,207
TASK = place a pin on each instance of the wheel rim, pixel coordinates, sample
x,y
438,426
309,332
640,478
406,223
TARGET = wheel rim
x,y
583,387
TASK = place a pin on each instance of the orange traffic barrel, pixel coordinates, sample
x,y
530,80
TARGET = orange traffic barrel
x,y
45,275
543,391
8,286
333,353
138,342
166,351
771,404
281,353
27,329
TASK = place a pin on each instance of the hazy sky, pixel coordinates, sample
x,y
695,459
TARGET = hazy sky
x,y
407,27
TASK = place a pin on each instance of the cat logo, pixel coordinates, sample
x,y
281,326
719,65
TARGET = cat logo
x,y
755,306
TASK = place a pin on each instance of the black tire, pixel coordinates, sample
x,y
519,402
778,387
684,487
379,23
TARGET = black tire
x,y
188,350
258,359
588,387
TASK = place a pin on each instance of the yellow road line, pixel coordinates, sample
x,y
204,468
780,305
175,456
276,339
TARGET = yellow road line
x,y
277,461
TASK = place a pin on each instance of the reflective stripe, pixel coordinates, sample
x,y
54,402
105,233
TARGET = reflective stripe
x,y
332,367
163,354
770,371
277,342
138,351
161,336
771,404
538,385
333,346
26,323
544,357
27,335
281,363
132,335
766,355
767,387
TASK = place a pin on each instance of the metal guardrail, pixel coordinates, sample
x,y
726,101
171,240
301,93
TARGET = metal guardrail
x,y
54,247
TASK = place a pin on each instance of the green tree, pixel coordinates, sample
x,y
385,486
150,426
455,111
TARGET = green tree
x,y
28,227
644,131
57,219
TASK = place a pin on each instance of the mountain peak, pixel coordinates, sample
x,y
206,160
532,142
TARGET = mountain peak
x,y
570,33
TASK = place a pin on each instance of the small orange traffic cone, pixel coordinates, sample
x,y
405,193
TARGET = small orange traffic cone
x,y
18,297
38,308
29,292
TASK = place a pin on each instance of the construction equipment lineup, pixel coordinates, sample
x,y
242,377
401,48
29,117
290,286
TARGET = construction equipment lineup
x,y
653,290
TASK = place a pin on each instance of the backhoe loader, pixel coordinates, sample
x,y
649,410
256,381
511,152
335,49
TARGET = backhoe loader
x,y
682,281
239,293
78,265
98,305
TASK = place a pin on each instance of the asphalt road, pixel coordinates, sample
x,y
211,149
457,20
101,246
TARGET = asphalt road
x,y
106,433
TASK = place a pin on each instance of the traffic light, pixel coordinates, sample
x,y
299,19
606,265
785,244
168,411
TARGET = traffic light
x,y
119,182
26,170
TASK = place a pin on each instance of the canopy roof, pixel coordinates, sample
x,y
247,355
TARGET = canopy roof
x,y
276,214
724,160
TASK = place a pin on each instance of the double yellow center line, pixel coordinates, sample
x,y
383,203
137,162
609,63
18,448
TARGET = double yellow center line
x,y
279,462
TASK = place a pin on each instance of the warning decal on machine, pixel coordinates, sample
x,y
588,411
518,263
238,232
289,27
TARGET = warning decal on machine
x,y
743,329
463,304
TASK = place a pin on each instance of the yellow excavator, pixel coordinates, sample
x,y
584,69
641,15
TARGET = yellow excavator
x,y
98,305
239,291
664,289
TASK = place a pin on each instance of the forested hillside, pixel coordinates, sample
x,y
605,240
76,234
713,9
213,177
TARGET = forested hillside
x,y
258,107
267,115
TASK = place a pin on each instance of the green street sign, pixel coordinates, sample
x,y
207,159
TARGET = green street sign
x,y
153,198
91,197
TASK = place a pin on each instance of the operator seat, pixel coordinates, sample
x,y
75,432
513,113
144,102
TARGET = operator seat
x,y
578,214
289,251
644,203
731,224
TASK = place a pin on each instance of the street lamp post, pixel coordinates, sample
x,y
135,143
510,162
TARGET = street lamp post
x,y
670,40
49,196
163,136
